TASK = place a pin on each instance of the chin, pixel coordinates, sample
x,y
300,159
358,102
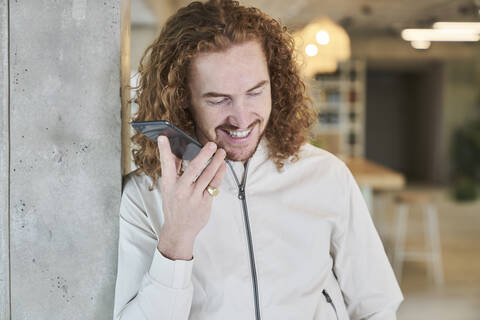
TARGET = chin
x,y
237,150
243,158
242,155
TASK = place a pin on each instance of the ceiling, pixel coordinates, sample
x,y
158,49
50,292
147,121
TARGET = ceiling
x,y
358,17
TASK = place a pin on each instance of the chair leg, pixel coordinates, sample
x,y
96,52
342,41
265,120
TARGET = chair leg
x,y
428,241
434,243
401,220
380,210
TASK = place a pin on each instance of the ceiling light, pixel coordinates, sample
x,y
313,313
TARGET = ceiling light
x,y
320,45
311,50
458,25
420,44
322,37
440,35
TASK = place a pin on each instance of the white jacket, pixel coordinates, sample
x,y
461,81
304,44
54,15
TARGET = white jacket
x,y
312,239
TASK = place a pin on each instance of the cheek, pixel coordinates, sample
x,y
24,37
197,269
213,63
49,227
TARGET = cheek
x,y
267,106
211,120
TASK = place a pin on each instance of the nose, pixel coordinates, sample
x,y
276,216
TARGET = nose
x,y
240,115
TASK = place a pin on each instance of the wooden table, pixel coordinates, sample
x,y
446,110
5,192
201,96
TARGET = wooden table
x,y
371,176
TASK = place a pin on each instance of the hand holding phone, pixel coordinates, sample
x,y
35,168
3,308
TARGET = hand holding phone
x,y
186,204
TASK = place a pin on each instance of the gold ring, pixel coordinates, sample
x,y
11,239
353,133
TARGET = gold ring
x,y
212,191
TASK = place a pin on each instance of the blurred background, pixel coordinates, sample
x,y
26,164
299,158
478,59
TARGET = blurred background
x,y
401,107
398,96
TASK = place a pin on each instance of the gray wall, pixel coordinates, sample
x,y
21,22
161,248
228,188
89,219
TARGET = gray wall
x,y
404,120
61,158
4,146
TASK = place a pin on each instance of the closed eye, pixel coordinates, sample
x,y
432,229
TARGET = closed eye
x,y
255,92
218,101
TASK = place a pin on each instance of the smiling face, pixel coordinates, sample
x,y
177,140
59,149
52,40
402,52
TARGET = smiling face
x,y
231,98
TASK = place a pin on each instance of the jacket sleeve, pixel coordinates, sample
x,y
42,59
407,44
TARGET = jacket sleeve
x,y
148,286
367,281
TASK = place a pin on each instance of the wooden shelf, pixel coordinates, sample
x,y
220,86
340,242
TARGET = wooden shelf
x,y
340,100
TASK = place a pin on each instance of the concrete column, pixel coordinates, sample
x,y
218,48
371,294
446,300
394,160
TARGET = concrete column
x,y
60,167
4,165
125,75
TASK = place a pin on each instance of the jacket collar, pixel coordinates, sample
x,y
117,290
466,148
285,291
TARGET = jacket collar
x,y
259,156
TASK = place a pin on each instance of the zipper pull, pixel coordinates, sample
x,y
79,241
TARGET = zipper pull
x,y
330,301
327,296
241,192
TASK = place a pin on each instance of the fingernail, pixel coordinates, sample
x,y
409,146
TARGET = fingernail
x,y
161,139
212,146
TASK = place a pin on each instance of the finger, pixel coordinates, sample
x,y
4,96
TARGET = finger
x,y
207,175
178,164
167,159
217,179
198,163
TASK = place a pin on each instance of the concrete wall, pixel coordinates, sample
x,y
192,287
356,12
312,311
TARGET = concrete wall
x,y
64,169
4,165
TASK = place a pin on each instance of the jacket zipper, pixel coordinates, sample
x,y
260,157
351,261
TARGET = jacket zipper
x,y
330,301
242,197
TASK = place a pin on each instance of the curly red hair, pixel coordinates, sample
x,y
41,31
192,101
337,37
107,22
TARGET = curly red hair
x,y
163,94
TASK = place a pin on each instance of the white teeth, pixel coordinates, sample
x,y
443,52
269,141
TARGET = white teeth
x,y
238,134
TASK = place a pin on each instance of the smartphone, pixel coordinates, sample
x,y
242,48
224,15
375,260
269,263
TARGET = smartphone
x,y
182,145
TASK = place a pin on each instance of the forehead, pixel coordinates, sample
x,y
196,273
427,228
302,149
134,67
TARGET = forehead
x,y
237,68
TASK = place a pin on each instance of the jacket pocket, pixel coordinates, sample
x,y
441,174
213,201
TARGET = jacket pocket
x,y
330,302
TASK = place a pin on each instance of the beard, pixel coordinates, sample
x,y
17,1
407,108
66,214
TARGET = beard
x,y
234,153
232,157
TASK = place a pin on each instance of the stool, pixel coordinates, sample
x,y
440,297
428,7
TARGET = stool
x,y
432,253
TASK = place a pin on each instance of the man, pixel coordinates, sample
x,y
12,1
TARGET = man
x,y
288,236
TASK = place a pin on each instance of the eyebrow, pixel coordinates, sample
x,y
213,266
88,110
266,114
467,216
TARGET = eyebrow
x,y
216,94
